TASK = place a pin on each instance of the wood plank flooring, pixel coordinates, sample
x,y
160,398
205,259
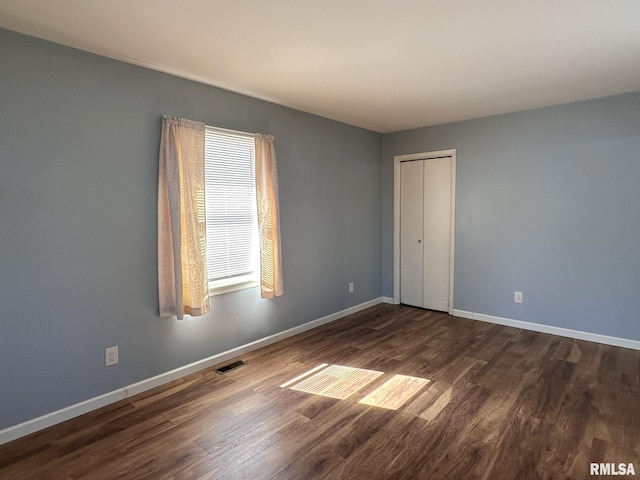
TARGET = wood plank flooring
x,y
473,401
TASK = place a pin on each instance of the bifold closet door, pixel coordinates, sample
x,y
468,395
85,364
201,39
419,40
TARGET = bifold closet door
x,y
425,232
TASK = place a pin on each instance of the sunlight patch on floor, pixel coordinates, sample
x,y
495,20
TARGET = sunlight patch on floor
x,y
340,382
437,406
395,392
305,374
337,381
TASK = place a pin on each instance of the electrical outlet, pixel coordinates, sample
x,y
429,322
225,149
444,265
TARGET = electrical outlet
x,y
517,297
111,356
351,287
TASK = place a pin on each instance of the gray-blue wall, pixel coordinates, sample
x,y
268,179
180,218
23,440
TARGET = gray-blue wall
x,y
79,139
548,203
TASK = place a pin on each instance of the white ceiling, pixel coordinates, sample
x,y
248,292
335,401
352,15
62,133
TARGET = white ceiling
x,y
380,64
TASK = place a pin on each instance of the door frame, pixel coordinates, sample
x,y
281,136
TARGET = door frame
x,y
397,160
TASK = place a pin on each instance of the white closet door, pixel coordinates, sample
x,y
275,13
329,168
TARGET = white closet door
x,y
411,231
437,233
425,232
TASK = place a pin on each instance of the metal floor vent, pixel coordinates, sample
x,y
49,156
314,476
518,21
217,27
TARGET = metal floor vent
x,y
229,367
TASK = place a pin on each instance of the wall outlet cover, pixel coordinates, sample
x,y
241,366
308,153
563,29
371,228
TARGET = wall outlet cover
x,y
111,356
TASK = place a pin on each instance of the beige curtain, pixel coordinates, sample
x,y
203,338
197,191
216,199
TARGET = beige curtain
x,y
182,247
268,217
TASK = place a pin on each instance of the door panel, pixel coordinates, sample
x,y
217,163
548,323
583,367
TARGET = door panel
x,y
411,231
437,233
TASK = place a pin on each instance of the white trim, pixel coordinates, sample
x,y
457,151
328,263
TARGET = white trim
x,y
53,418
233,285
390,300
396,217
563,332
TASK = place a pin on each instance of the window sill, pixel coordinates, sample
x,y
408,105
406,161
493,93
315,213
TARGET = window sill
x,y
233,285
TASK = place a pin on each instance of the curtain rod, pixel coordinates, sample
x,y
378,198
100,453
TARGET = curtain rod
x,y
237,132
229,130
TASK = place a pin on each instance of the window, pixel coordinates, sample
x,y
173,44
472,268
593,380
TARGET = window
x,y
230,194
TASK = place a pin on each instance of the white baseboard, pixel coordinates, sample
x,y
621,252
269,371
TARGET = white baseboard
x,y
388,300
36,424
563,332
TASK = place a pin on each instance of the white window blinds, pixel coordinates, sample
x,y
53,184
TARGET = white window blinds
x,y
230,192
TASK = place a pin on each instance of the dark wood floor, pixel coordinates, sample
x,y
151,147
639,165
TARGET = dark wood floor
x,y
502,403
